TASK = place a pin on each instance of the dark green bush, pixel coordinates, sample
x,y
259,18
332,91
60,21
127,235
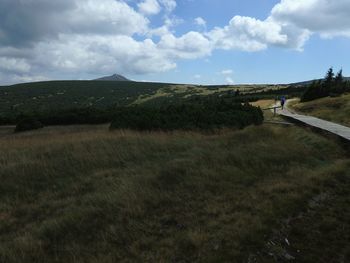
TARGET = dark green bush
x,y
28,124
204,115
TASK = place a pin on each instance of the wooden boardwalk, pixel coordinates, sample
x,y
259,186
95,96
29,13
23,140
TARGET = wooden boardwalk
x,y
328,126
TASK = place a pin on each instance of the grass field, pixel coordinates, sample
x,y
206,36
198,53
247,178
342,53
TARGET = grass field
x,y
335,109
84,194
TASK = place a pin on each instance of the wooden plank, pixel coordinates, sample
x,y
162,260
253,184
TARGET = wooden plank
x,y
332,127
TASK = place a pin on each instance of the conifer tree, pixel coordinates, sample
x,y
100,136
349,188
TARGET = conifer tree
x,y
339,86
339,77
328,83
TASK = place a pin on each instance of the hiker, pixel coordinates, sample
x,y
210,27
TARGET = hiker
x,y
283,101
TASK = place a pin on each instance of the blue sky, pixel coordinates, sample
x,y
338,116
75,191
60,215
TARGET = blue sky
x,y
187,41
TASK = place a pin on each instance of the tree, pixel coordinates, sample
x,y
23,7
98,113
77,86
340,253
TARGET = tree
x,y
313,91
339,77
328,83
329,76
339,85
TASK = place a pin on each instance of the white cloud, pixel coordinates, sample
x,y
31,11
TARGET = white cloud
x,y
166,28
98,54
227,72
106,17
229,81
200,21
197,76
24,23
290,25
319,16
17,65
149,7
248,34
169,5
189,46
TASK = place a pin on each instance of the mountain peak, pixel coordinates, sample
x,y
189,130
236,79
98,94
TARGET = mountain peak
x,y
114,77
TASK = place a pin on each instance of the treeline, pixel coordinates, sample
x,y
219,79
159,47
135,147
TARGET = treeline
x,y
187,116
331,85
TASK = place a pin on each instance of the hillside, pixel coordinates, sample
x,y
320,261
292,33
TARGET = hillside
x,y
84,194
65,95
309,82
61,95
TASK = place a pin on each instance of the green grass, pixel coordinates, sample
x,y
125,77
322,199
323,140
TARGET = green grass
x,y
335,109
83,194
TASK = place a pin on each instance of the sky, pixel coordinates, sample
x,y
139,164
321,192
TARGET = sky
x,y
177,41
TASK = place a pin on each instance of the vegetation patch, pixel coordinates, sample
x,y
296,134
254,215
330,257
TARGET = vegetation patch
x,y
73,194
28,124
213,115
335,109
55,98
331,85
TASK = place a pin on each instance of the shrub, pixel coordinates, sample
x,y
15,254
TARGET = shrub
x,y
28,124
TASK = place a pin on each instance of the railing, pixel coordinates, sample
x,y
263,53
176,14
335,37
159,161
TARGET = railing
x,y
274,108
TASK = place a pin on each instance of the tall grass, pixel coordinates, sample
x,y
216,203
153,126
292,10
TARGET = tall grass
x,y
80,194
336,109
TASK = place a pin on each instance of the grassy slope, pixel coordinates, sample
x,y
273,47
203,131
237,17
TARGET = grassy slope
x,y
60,95
89,195
333,109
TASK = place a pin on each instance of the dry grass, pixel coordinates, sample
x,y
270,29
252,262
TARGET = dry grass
x,y
268,114
333,109
84,194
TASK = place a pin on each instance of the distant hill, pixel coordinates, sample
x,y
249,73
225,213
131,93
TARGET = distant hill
x,y
114,77
308,82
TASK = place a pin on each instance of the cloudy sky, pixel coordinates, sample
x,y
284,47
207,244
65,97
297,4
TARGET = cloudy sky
x,y
182,41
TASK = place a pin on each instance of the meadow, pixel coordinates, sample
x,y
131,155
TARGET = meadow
x,y
87,194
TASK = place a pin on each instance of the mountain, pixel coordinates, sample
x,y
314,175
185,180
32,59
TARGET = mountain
x,y
114,77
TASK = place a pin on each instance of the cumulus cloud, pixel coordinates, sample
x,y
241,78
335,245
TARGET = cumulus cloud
x,y
189,46
100,54
169,5
200,21
249,34
149,7
17,65
320,16
27,22
290,24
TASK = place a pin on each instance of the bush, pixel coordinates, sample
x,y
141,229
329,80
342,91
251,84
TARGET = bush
x,y
28,124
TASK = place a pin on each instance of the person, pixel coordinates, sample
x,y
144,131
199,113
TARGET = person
x,y
283,101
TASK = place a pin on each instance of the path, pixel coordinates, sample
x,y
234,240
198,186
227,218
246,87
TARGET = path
x,y
332,127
